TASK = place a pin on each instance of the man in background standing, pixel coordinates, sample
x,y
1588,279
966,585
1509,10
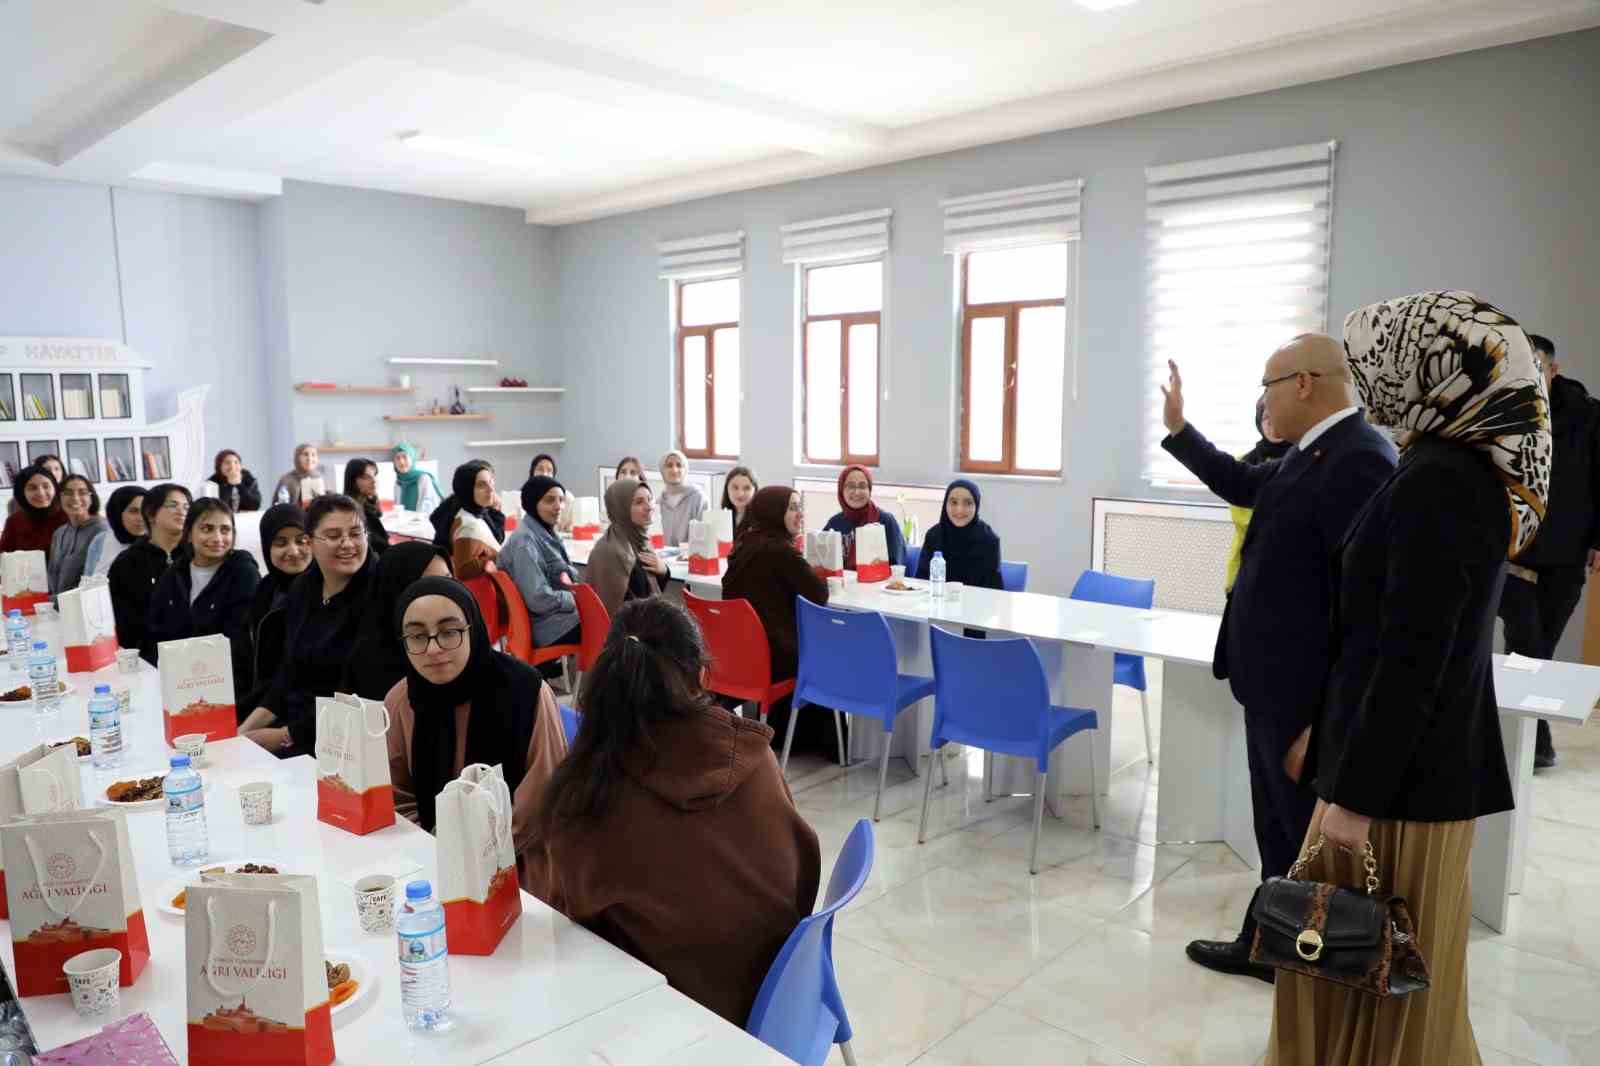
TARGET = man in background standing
x,y
1544,583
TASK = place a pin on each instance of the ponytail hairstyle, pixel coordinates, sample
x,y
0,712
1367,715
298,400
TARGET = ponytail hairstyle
x,y
648,671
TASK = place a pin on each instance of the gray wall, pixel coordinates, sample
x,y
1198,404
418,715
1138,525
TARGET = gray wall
x,y
1474,171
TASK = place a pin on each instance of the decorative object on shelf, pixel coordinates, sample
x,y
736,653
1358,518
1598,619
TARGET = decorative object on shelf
x,y
353,390
457,408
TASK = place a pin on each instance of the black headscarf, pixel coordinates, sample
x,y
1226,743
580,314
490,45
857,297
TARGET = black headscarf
x,y
19,485
118,503
378,660
1265,450
275,520
462,498
533,492
972,550
503,694
543,456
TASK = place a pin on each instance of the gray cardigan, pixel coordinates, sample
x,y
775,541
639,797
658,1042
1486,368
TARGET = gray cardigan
x,y
69,548
534,558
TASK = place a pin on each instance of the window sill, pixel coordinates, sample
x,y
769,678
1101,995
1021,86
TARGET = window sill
x,y
1025,479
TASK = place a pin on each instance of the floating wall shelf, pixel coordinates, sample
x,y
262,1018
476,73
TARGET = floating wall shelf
x,y
436,418
349,449
444,362
356,390
515,443
548,389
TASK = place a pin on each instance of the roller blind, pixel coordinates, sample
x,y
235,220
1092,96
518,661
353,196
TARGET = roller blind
x,y
823,240
718,255
1239,252
1033,214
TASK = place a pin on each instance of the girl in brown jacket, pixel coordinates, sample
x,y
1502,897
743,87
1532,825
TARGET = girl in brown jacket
x,y
668,830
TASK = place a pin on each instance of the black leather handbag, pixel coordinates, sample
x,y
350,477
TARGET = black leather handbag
x,y
1364,941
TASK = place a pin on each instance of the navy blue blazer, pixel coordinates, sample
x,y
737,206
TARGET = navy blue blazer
x,y
1274,644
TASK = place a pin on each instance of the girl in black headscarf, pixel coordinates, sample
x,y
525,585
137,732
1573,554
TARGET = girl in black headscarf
x,y
38,514
286,549
125,517
537,561
971,549
378,661
472,491
461,702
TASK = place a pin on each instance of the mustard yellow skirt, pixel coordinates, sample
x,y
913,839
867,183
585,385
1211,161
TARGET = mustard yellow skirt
x,y
1318,1023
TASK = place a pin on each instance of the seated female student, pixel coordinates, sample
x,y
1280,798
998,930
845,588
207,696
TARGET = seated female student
x,y
766,570
236,486
543,465
323,617
70,543
668,829
971,549
537,561
680,503
305,482
38,513
207,590
135,573
472,491
461,702
621,565
414,488
738,488
52,466
377,661
858,509
125,517
286,549
361,485
629,468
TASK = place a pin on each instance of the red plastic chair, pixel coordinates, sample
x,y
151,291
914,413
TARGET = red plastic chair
x,y
741,658
519,629
594,621
482,589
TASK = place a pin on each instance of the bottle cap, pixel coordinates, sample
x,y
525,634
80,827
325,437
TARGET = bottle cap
x,y
15,612
179,761
418,890
102,690
40,645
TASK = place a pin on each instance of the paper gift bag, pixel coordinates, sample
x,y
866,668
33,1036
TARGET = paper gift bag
x,y
872,553
197,688
70,887
257,983
586,518
42,780
354,791
825,552
657,535
311,488
477,861
130,1041
703,557
724,521
88,626
24,581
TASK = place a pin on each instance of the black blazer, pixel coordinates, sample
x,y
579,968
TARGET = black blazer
x,y
1272,646
1410,729
223,607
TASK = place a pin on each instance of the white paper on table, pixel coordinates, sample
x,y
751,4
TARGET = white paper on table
x,y
1152,615
1092,636
645,1045
1523,663
398,867
1541,703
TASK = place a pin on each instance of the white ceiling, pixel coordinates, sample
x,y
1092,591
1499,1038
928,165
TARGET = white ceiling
x,y
632,103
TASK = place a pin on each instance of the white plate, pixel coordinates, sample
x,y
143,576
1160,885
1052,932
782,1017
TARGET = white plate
x,y
887,591
170,890
53,744
360,973
67,689
142,805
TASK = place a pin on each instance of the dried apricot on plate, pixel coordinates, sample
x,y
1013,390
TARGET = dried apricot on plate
x,y
180,900
343,991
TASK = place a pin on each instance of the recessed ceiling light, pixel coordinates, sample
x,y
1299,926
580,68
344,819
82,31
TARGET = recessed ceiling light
x,y
482,153
1104,5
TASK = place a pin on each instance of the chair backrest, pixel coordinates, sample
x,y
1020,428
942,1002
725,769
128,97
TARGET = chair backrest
x,y
847,660
1013,576
991,694
570,721
1099,587
482,589
518,624
594,621
799,1011
912,557
741,658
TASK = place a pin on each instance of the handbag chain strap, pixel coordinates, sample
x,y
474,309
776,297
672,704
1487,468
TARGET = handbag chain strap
x,y
1368,860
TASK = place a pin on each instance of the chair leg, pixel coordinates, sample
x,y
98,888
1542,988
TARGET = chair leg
x,y
1149,749
1094,776
944,767
838,736
849,1056
927,794
1038,819
883,774
988,777
788,738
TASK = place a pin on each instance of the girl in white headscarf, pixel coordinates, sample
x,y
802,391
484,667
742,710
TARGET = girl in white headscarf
x,y
680,503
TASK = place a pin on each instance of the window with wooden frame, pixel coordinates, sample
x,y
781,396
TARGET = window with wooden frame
x,y
708,368
841,322
1013,359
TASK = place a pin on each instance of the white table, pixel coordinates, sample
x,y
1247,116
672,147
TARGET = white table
x,y
548,975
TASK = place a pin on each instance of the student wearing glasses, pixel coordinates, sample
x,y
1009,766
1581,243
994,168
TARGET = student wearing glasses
x,y
70,543
207,590
461,702
323,619
856,509
134,575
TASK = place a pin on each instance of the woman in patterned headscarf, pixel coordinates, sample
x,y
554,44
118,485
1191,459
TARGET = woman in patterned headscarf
x,y
1406,753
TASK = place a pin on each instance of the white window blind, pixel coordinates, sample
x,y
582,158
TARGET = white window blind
x,y
718,255
1034,214
1239,253
858,236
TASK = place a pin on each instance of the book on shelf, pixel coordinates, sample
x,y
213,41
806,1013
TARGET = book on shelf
x,y
118,468
79,467
111,405
37,407
155,465
6,413
76,403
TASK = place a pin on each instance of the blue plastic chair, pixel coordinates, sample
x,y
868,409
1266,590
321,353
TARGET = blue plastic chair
x,y
848,662
993,695
1014,576
799,1011
570,721
912,555
1098,587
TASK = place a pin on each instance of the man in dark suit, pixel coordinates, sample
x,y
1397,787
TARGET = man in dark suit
x,y
1274,644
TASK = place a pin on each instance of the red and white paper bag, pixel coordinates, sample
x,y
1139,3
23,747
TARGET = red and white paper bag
x,y
42,780
586,518
825,552
354,790
88,626
70,888
477,860
197,688
703,556
24,581
872,553
724,521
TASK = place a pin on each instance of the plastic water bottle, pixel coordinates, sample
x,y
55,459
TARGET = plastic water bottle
x,y
936,575
424,959
105,729
186,814
283,494
42,679
19,640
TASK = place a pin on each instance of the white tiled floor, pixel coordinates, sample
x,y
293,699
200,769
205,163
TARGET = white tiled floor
x,y
954,956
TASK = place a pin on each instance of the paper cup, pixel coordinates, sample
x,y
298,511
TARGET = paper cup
x,y
194,746
92,977
375,900
836,586
44,612
255,801
128,660
124,697
952,590
897,572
